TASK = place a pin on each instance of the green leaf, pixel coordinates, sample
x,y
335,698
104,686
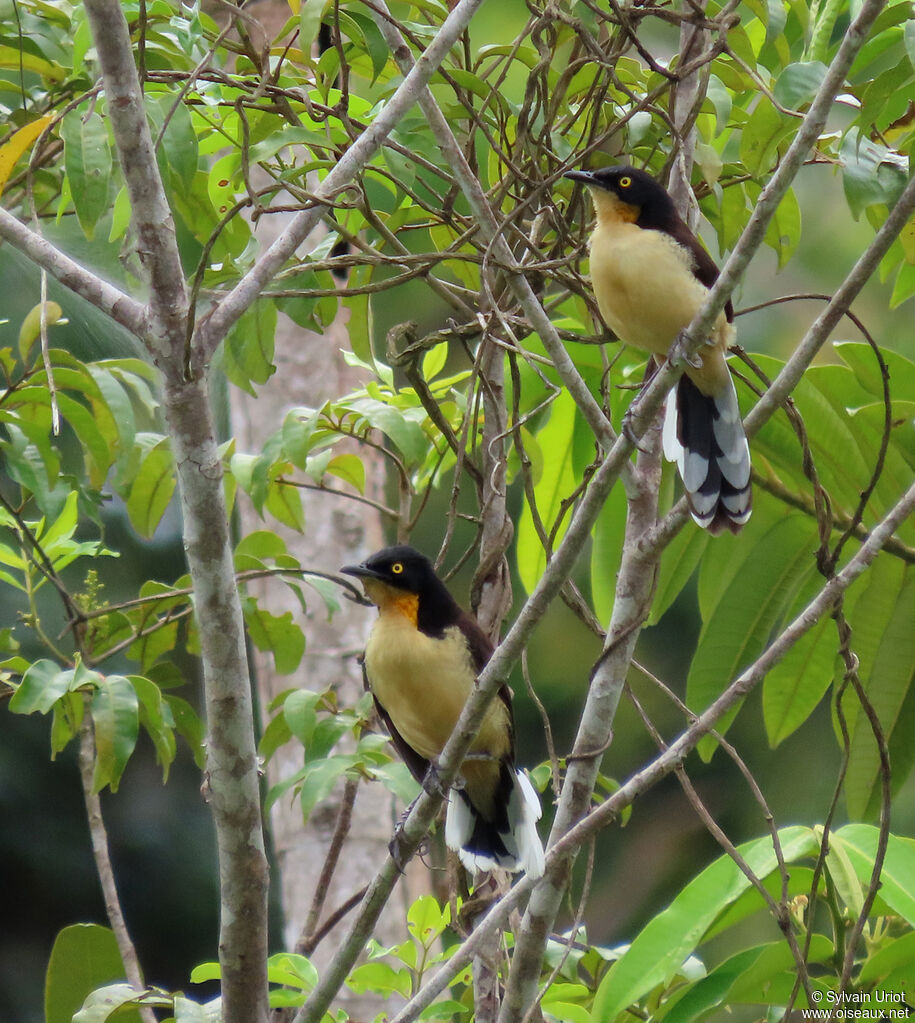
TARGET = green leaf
x,y
794,687
112,1000
179,144
153,485
886,686
249,349
608,533
87,159
41,687
187,1011
557,481
657,953
349,468
769,566
189,726
761,137
426,920
301,714
84,957
898,955
30,330
796,86
406,433
784,230
318,779
292,970
897,879
860,358
284,502
156,718
310,14
277,634
679,561
15,57
115,717
871,173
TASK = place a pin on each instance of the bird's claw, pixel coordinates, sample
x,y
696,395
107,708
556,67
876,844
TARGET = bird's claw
x,y
629,433
432,783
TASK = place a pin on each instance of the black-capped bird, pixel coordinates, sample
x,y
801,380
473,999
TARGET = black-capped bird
x,y
421,660
650,277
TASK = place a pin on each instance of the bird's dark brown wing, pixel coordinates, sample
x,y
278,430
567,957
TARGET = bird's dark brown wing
x,y
704,267
481,650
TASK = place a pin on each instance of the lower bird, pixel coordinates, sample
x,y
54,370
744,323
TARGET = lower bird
x,y
650,277
421,661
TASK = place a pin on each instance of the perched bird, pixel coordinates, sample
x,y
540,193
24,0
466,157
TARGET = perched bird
x,y
650,277
421,660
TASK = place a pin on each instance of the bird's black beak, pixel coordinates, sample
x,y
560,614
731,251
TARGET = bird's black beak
x,y
361,572
587,177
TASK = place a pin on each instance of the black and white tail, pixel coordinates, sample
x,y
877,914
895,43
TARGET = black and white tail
x,y
704,436
511,841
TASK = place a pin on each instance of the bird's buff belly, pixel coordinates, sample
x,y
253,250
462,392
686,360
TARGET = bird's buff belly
x,y
422,682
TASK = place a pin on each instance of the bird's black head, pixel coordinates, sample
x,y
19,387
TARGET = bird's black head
x,y
649,203
404,570
402,567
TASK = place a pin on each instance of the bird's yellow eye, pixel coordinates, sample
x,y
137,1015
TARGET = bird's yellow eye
x,y
397,568
625,182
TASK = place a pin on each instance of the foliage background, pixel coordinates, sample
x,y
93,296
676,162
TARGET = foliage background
x,y
663,844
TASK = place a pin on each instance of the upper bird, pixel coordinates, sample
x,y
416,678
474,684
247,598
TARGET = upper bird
x,y
421,661
650,276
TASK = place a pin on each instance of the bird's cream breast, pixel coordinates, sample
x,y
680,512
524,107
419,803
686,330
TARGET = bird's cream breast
x,y
644,285
422,682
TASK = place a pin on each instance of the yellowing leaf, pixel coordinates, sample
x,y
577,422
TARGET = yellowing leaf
x,y
18,143
31,326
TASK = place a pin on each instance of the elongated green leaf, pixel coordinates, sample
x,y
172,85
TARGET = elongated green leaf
x,y
794,687
761,137
284,502
770,573
156,718
608,534
88,162
898,955
661,947
897,879
679,561
249,349
556,483
116,721
886,685
30,330
861,359
14,57
153,485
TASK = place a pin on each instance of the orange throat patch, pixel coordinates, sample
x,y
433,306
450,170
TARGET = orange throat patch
x,y
390,600
612,210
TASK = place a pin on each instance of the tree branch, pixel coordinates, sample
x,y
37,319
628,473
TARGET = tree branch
x,y
232,771
215,326
104,296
